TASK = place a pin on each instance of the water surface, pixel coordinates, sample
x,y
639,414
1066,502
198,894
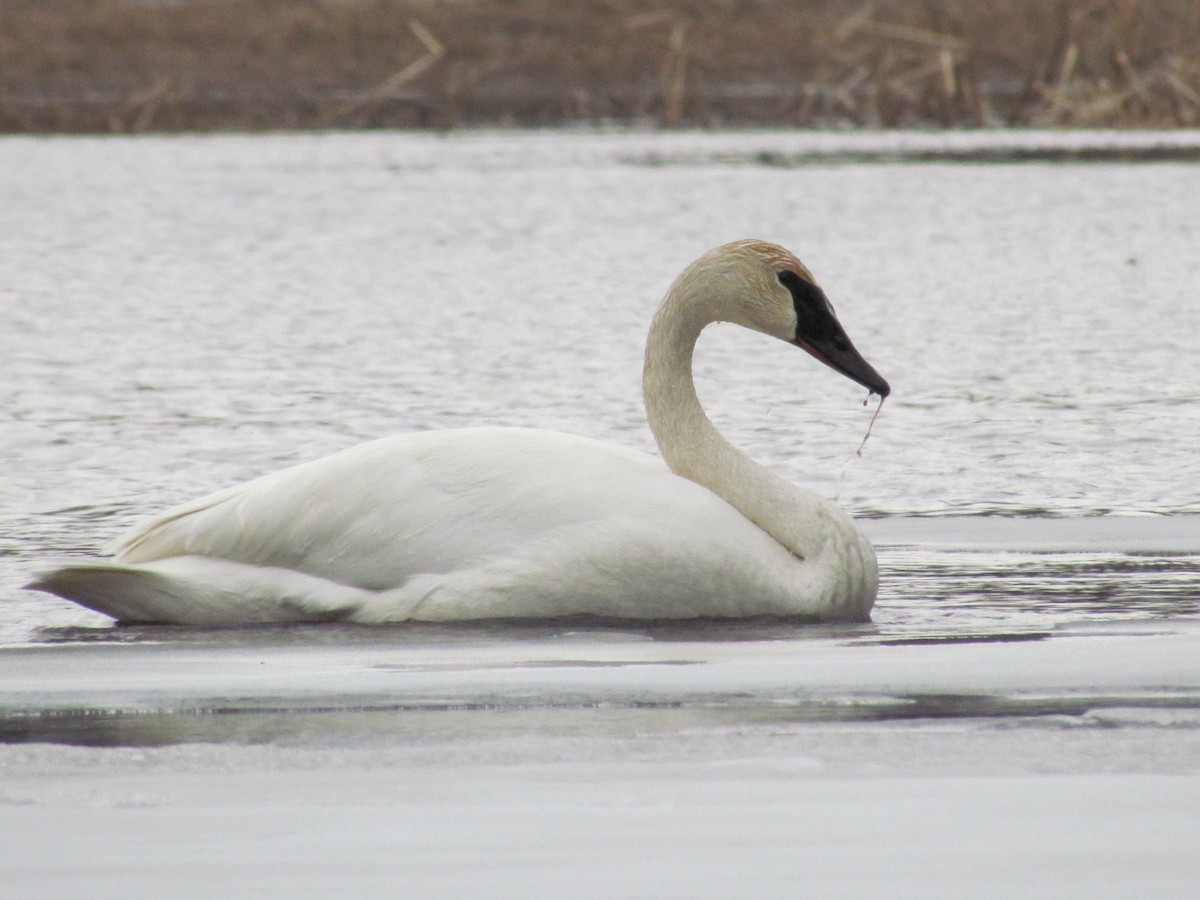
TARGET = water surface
x,y
183,313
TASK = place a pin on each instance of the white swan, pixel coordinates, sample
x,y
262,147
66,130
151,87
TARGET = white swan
x,y
495,523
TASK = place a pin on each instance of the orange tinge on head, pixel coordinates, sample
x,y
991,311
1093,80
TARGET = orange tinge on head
x,y
776,257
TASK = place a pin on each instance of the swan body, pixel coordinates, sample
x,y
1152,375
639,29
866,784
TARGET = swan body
x,y
484,523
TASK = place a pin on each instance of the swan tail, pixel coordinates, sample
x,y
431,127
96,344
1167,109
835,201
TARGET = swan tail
x,y
196,590
168,533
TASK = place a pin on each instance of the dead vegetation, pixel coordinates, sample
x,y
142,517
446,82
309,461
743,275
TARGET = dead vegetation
x,y
139,65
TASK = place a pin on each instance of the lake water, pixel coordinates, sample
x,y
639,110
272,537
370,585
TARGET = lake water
x,y
182,313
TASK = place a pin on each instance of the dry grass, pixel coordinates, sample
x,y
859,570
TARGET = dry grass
x,y
137,65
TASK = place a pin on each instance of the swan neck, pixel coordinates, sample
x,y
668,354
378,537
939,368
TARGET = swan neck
x,y
685,436
692,446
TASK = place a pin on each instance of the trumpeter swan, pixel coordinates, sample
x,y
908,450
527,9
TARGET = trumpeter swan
x,y
484,523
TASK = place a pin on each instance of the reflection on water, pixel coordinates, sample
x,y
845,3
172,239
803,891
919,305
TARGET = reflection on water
x,y
325,723
993,591
250,302
184,313
931,598
969,590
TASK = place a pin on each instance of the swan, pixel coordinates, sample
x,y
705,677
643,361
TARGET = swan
x,y
486,523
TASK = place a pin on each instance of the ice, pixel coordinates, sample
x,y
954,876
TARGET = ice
x,y
1022,717
596,763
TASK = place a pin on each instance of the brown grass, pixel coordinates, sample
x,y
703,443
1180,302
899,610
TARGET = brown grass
x,y
137,65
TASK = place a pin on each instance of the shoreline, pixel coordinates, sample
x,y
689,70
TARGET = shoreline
x,y
109,66
770,147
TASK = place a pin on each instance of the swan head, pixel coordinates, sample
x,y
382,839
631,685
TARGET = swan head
x,y
764,287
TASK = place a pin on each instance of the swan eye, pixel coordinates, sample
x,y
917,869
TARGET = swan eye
x,y
803,291
815,318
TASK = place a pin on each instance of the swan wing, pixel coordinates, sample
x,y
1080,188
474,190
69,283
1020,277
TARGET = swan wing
x,y
469,524
451,525
374,515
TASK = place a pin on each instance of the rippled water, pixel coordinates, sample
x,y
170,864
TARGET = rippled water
x,y
183,313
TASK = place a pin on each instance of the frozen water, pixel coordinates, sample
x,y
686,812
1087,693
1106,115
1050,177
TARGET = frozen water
x,y
1022,716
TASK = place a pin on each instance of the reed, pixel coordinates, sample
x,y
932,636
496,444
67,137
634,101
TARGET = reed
x,y
140,65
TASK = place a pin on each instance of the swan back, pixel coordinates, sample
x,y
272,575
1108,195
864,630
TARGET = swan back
x,y
485,523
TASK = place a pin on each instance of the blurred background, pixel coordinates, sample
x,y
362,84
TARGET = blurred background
x,y
168,65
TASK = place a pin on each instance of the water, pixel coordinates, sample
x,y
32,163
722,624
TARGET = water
x,y
184,313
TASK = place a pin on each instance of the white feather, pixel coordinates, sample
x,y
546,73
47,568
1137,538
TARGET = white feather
x,y
495,523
